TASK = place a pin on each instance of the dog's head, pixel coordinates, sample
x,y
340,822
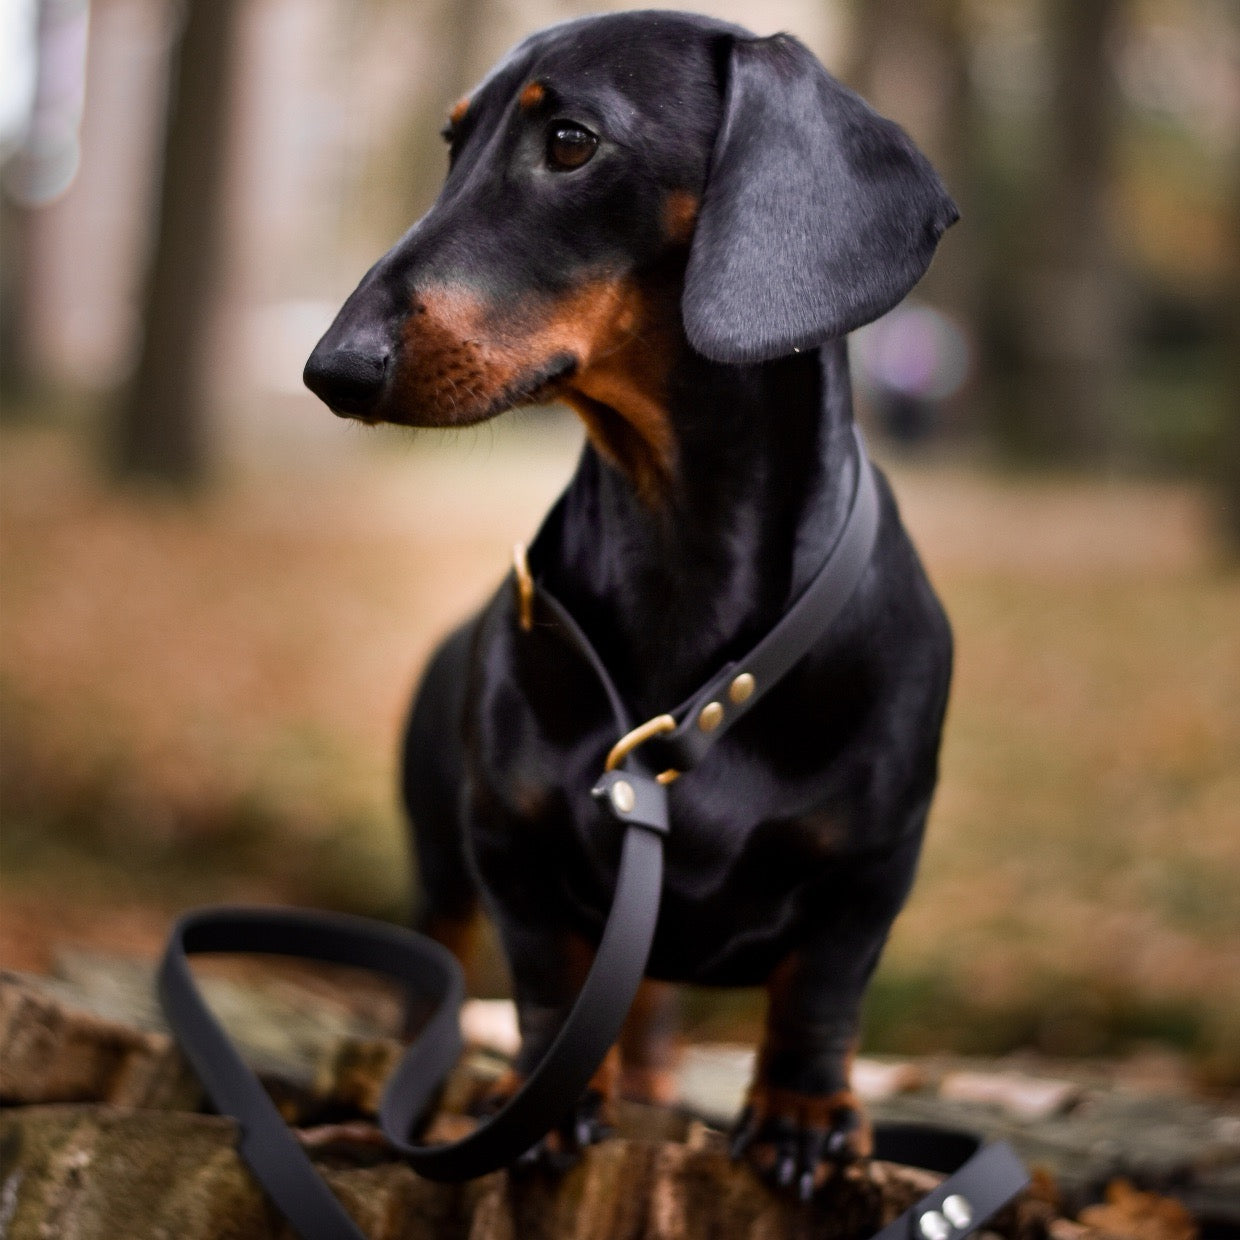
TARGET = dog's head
x,y
620,187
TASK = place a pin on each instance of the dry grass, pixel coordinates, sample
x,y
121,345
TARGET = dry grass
x,y
200,702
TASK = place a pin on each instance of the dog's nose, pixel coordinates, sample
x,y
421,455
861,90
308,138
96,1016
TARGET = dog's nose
x,y
346,380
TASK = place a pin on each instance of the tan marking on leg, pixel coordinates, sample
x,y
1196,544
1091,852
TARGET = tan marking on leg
x,y
458,934
459,109
606,1080
649,1050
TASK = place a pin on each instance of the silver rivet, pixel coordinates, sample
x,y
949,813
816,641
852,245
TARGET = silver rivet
x,y
623,797
933,1226
741,689
958,1212
710,717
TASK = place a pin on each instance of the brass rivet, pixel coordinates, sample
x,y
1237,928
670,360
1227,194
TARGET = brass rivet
x,y
741,689
623,797
711,716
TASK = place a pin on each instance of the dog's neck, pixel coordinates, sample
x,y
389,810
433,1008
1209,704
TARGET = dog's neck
x,y
763,477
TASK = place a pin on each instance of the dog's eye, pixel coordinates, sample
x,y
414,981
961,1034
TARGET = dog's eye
x,y
570,146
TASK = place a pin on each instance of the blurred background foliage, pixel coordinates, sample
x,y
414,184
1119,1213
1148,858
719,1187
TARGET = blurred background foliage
x,y
216,597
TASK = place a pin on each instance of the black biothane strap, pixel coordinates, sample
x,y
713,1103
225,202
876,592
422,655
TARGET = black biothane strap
x,y
431,973
809,617
984,1178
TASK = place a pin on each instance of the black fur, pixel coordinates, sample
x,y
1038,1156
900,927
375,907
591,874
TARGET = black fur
x,y
794,844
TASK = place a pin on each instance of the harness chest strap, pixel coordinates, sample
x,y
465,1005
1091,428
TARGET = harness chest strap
x,y
634,795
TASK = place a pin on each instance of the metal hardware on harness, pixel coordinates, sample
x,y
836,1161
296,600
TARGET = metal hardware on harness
x,y
741,689
639,736
525,587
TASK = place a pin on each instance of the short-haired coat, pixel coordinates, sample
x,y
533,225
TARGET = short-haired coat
x,y
670,225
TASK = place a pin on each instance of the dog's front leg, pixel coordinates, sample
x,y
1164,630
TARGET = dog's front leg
x,y
549,966
801,1117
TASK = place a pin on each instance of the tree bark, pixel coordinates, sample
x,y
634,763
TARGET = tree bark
x,y
1229,454
1065,297
910,59
163,426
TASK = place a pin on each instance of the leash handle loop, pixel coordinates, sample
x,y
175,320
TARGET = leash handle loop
x,y
267,1144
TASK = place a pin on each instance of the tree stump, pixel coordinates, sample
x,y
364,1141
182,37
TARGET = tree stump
x,y
102,1136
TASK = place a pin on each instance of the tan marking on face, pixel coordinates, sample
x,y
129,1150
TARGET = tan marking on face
x,y
620,390
680,212
533,94
462,362
459,108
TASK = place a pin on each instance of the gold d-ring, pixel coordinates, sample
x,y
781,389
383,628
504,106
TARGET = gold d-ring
x,y
639,736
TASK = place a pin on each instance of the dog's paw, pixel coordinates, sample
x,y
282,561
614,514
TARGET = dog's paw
x,y
796,1141
561,1148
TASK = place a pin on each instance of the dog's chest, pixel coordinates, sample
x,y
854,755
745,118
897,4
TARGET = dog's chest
x,y
748,841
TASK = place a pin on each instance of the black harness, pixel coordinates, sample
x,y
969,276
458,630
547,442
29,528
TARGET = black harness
x,y
633,790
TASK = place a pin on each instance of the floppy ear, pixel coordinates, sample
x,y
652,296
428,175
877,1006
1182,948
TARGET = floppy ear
x,y
818,215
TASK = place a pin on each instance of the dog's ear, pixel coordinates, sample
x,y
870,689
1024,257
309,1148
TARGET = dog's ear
x,y
818,216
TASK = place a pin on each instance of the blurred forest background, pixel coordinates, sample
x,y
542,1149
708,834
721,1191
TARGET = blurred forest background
x,y
216,596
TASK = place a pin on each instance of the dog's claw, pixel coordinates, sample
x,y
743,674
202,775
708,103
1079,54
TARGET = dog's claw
x,y
743,1132
813,1142
785,1169
562,1147
530,1159
794,1150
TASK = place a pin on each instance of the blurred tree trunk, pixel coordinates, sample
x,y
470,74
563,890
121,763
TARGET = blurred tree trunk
x,y
1229,456
16,380
910,59
163,426
1066,314
35,173
457,36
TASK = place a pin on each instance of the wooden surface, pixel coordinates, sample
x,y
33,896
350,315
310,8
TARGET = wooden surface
x,y
102,1135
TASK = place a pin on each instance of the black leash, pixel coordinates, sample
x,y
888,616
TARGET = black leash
x,y
982,1178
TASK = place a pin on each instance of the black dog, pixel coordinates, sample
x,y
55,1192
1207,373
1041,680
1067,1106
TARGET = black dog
x,y
670,225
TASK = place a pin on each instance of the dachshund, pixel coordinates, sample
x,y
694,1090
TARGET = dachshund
x,y
670,225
